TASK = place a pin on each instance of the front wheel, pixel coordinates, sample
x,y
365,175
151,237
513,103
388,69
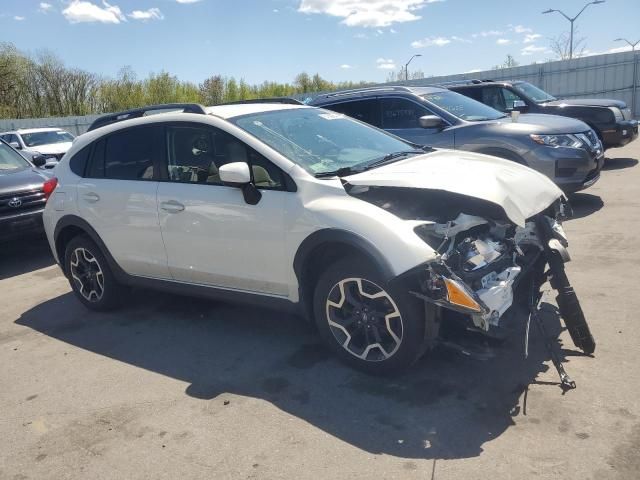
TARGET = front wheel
x,y
371,325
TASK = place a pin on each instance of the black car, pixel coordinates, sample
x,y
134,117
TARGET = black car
x,y
24,190
611,119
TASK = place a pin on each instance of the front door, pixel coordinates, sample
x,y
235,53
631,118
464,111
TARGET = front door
x,y
400,116
212,236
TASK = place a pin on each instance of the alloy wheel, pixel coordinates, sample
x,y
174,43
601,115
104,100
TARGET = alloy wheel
x,y
364,319
87,274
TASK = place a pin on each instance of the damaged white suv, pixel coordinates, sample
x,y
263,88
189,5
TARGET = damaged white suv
x,y
381,242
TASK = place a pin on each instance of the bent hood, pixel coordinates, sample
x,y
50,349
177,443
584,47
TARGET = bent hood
x,y
520,191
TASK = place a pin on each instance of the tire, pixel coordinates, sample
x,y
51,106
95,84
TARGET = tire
x,y
380,335
90,277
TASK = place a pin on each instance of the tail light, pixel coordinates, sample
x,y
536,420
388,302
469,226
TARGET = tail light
x,y
49,186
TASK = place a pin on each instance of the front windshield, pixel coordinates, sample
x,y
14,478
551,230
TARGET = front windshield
x,y
11,160
320,141
46,138
533,92
463,107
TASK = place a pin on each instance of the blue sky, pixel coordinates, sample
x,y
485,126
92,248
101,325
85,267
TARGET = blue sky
x,y
276,39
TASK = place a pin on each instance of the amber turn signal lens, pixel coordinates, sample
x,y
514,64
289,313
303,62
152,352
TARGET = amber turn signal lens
x,y
458,296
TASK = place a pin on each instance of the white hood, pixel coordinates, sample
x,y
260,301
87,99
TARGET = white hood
x,y
519,190
52,148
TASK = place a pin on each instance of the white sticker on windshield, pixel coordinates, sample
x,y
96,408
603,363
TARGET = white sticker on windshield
x,y
331,116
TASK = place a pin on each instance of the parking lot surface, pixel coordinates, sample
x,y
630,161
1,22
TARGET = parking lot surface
x,y
172,387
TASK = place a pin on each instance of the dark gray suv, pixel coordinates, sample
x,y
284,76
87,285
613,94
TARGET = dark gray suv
x,y
566,150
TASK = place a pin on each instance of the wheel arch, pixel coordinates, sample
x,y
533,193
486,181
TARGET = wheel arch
x,y
322,248
69,227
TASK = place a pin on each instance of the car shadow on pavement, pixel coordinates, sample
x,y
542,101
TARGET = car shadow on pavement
x,y
24,255
447,406
584,204
619,163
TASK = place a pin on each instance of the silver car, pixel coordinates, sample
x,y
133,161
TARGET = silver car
x,y
565,149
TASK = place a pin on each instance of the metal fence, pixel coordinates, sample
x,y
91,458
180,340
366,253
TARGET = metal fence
x,y
613,75
75,125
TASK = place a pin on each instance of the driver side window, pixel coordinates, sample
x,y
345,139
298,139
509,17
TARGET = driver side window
x,y
509,98
195,155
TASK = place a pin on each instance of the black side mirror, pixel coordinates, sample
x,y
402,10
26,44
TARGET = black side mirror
x,y
39,161
431,121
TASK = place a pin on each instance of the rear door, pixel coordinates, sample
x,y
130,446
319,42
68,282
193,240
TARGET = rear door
x,y
118,198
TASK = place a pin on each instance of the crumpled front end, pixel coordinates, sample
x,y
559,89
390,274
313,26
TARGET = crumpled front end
x,y
481,263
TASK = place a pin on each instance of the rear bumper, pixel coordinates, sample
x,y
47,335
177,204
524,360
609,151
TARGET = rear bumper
x,y
625,131
572,169
21,224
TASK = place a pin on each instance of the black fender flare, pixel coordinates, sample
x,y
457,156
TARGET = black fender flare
x,y
80,223
334,235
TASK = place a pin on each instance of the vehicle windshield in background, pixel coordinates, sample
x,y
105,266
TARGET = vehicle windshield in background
x,y
463,107
533,92
11,160
45,138
321,141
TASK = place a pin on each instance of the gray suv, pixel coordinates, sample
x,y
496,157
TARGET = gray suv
x,y
566,150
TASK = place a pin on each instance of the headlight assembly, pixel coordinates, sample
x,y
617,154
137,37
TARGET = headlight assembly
x,y
566,140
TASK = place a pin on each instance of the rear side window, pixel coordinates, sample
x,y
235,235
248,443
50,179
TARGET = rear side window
x,y
475,93
128,155
78,162
367,111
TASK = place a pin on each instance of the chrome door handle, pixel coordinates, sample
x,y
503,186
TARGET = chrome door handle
x,y
91,197
172,206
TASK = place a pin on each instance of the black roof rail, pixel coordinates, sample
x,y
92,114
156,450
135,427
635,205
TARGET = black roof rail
x,y
283,100
140,112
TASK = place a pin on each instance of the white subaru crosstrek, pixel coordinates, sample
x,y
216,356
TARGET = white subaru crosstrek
x,y
381,242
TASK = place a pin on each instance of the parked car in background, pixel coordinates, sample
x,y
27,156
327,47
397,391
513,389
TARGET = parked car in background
x,y
51,143
612,120
566,150
24,190
309,210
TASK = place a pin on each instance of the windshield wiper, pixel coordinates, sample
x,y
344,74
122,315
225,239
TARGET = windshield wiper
x,y
392,157
341,172
389,158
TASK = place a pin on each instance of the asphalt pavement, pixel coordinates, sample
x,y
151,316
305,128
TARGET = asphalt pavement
x,y
174,388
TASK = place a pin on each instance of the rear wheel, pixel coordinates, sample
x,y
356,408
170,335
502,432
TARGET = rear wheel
x,y
371,325
89,274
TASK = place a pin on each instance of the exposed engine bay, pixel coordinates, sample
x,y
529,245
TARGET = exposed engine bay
x,y
484,260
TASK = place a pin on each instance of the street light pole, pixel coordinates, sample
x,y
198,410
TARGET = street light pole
x,y
573,19
406,66
632,45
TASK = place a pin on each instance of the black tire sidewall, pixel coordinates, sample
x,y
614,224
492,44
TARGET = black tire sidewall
x,y
111,297
411,311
